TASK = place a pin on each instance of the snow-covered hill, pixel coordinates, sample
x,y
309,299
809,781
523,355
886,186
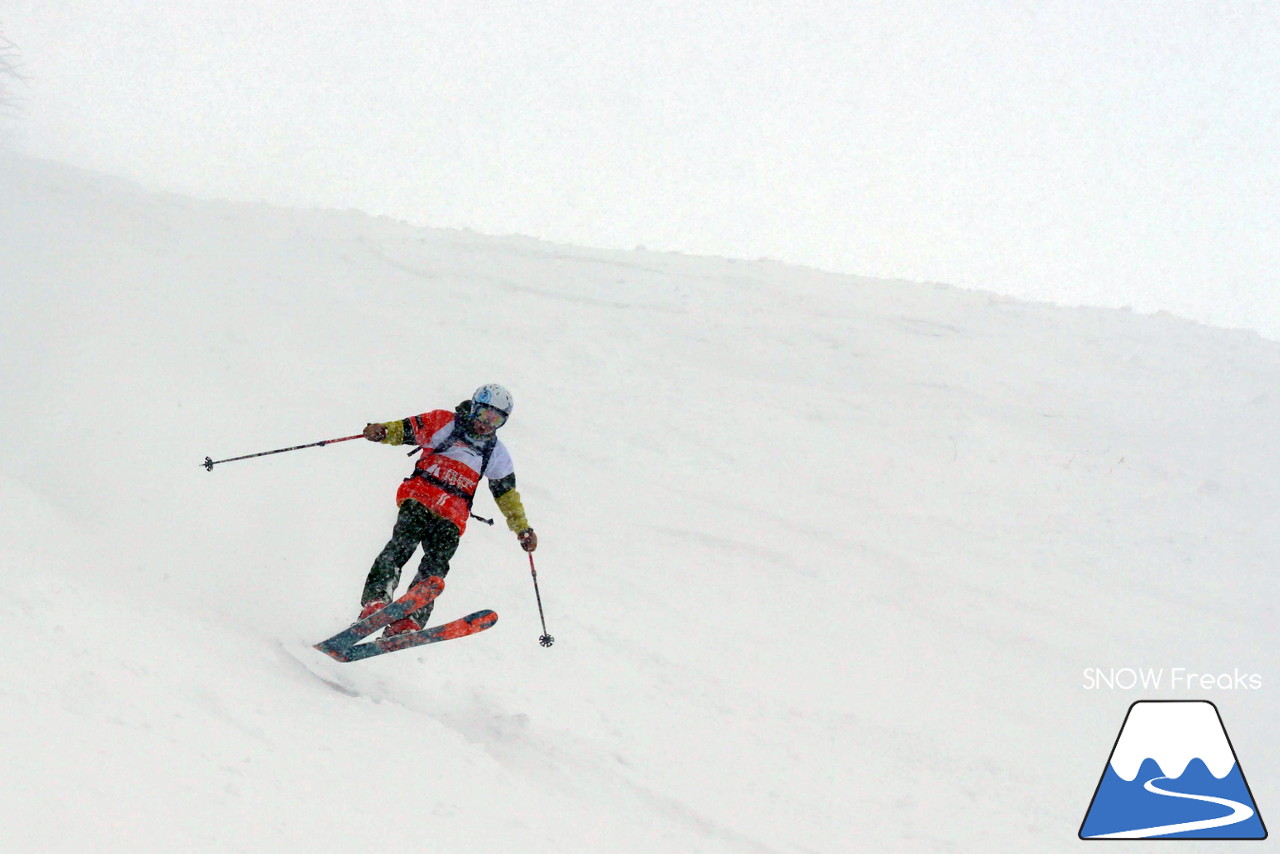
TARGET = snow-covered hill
x,y
826,557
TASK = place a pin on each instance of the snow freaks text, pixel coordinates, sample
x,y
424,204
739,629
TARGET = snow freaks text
x,y
1171,678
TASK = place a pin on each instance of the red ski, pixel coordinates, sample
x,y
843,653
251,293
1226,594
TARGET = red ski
x,y
346,646
468,625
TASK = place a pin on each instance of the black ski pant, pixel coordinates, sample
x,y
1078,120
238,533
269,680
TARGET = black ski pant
x,y
415,526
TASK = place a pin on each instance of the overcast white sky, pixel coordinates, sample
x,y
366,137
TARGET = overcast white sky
x,y
1078,151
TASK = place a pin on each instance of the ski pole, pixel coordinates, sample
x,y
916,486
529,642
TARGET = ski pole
x,y
209,462
546,639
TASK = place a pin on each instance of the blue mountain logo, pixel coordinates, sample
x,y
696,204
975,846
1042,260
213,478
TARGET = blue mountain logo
x,y
1173,774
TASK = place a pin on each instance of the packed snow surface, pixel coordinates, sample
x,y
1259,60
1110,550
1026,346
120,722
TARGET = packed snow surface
x,y
826,558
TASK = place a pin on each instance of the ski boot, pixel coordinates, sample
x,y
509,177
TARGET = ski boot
x,y
401,626
372,607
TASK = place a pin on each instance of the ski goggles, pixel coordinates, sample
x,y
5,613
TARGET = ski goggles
x,y
488,416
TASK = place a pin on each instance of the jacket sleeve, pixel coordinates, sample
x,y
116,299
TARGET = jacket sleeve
x,y
419,429
508,500
416,429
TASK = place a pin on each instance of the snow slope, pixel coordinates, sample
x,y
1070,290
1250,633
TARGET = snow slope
x,y
825,557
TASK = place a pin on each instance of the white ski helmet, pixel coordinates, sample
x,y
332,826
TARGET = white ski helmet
x,y
493,395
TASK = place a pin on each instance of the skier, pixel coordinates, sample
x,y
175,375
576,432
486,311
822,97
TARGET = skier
x,y
458,448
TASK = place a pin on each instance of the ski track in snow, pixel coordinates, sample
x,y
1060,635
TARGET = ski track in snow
x,y
508,740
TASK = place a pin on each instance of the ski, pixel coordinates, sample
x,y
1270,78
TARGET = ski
x,y
418,596
468,625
